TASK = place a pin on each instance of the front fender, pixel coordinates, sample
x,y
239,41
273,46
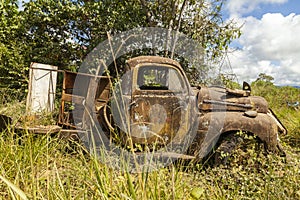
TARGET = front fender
x,y
263,126
213,124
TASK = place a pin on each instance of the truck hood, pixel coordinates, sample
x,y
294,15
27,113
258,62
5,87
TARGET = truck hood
x,y
217,99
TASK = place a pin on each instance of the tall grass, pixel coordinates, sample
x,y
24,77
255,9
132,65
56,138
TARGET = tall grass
x,y
44,167
279,99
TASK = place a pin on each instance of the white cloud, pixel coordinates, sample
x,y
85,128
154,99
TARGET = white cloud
x,y
270,45
239,7
247,67
274,36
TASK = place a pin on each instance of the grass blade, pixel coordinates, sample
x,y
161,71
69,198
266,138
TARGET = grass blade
x,y
12,186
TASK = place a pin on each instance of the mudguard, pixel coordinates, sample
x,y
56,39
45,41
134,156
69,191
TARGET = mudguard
x,y
213,124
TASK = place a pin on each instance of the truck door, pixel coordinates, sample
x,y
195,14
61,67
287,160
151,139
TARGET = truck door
x,y
160,104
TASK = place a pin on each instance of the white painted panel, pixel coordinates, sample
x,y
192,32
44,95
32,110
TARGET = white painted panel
x,y
41,88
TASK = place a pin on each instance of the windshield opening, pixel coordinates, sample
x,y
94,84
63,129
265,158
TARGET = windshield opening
x,y
160,77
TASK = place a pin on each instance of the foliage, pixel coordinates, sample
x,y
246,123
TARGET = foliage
x,y
201,20
47,26
63,32
283,101
12,48
264,77
277,96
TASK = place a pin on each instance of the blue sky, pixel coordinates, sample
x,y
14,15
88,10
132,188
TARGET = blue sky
x,y
270,41
261,7
291,6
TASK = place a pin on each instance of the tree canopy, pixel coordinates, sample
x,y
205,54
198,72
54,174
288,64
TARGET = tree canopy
x,y
63,32
12,47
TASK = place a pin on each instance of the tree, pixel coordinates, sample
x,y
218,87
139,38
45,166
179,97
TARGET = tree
x,y
12,47
264,77
71,29
63,32
263,86
199,19
48,32
263,80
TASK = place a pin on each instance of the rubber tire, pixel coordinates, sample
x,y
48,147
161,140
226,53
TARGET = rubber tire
x,y
226,146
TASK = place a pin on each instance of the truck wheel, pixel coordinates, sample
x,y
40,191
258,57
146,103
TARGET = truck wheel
x,y
226,146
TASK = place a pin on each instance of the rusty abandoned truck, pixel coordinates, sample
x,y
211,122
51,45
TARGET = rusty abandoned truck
x,y
153,105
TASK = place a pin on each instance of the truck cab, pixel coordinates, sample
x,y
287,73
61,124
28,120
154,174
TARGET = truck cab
x,y
159,103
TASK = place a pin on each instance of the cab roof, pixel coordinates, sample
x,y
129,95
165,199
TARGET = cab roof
x,y
133,62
